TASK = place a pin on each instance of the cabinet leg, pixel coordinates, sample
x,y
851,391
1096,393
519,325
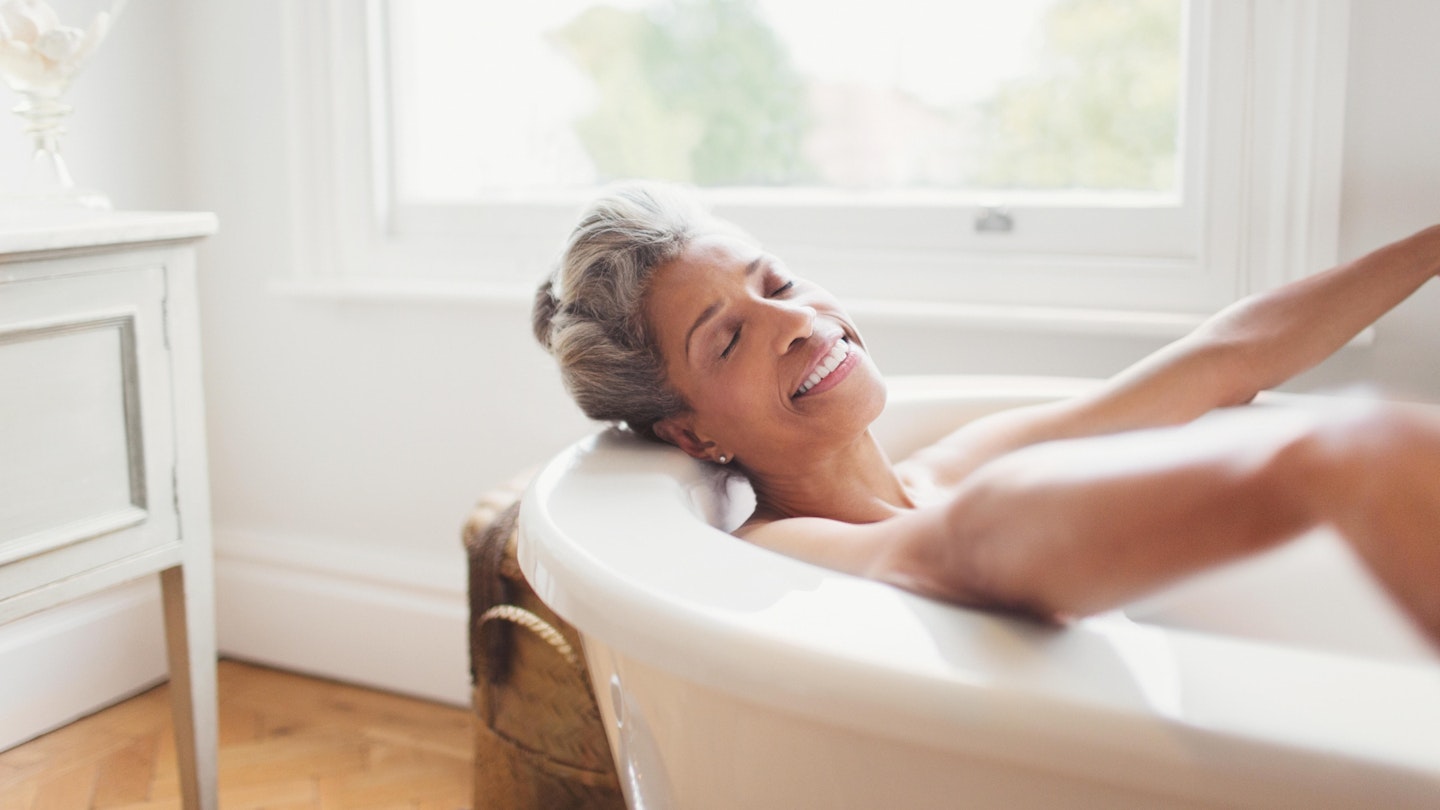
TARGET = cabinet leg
x,y
190,640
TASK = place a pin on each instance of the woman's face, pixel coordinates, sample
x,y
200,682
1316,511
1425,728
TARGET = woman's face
x,y
770,364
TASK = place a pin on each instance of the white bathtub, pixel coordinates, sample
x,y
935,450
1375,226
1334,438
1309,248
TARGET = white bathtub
x,y
734,678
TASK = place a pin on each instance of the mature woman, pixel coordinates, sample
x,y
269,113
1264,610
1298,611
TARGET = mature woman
x,y
677,325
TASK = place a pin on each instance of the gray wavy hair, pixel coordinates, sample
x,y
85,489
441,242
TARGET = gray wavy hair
x,y
589,314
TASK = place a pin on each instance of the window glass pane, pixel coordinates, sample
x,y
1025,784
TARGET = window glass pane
x,y
497,98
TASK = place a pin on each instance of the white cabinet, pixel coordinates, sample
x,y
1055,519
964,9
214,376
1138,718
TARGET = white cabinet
x,y
102,448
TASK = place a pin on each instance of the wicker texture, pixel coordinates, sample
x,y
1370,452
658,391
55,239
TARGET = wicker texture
x,y
540,743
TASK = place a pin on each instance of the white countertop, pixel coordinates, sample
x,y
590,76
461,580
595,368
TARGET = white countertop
x,y
55,229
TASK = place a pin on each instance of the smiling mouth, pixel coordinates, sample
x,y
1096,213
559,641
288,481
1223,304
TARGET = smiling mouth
x,y
837,355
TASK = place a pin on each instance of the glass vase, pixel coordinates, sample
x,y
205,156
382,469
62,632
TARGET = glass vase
x,y
43,45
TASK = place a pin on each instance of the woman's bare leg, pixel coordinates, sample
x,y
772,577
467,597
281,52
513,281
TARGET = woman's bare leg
x,y
1079,526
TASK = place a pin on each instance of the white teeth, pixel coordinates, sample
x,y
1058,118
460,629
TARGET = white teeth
x,y
832,360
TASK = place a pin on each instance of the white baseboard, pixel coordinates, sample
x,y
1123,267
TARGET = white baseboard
x,y
69,661
367,616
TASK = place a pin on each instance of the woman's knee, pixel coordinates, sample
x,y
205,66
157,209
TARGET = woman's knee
x,y
1371,458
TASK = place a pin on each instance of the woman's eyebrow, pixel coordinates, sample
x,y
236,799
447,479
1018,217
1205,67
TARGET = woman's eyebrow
x,y
715,307
699,322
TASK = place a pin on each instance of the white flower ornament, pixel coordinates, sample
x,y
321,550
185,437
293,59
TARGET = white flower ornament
x,y
38,54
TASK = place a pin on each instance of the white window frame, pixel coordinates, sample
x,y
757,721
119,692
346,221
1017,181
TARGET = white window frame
x,y
1267,163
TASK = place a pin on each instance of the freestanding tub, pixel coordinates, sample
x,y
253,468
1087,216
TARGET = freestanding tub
x,y
731,677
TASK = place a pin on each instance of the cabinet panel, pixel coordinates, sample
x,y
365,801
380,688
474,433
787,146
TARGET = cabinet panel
x,y
86,447
69,451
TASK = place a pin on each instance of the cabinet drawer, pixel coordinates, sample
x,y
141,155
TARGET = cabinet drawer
x,y
87,448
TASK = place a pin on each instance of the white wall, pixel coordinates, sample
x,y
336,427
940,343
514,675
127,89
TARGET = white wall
x,y
1392,178
348,440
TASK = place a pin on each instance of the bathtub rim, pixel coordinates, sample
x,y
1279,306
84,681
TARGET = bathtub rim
x,y
1122,734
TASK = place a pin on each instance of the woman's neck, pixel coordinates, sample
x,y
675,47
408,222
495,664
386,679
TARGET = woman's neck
x,y
854,484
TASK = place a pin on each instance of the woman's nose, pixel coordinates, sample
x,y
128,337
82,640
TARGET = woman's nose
x,y
797,324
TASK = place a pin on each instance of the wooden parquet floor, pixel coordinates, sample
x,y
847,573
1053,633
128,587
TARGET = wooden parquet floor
x,y
286,742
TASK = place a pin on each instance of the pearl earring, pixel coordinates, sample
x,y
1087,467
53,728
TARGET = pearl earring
x,y
724,459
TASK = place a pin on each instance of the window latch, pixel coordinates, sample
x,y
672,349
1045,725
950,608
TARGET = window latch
x,y
994,219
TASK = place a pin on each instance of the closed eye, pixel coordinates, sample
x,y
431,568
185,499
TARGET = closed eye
x,y
731,345
735,338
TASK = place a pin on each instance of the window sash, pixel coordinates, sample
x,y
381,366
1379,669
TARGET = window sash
x,y
1258,203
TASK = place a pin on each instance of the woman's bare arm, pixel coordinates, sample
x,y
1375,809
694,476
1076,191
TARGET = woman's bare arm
x,y
1266,339
1253,345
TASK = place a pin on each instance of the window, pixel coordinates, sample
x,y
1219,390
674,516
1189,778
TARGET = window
x,y
909,95
1113,154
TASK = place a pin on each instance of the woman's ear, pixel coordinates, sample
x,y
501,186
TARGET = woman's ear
x,y
677,431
